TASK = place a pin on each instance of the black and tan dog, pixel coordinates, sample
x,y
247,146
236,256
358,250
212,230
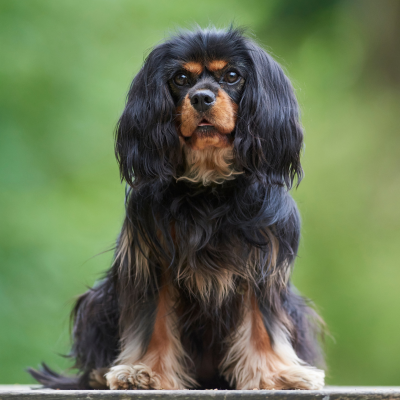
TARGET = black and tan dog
x,y
199,294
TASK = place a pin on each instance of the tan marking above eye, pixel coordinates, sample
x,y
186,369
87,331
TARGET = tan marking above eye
x,y
216,65
193,67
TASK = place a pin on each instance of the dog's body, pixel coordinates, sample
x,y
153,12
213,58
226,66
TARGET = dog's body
x,y
199,291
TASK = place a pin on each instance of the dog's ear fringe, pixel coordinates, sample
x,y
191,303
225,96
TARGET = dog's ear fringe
x,y
269,136
146,143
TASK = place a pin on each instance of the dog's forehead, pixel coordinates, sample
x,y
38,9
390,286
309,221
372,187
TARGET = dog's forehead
x,y
197,67
207,49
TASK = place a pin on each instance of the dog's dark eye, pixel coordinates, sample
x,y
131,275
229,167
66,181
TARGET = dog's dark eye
x,y
231,77
180,79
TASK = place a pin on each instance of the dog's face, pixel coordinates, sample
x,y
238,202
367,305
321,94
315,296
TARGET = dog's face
x,y
207,94
215,101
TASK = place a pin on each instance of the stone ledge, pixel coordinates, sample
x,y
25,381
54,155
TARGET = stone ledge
x,y
8,392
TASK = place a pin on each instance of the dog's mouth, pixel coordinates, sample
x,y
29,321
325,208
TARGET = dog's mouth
x,y
204,122
205,129
207,135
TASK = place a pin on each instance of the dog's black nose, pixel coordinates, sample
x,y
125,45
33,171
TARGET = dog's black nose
x,y
202,100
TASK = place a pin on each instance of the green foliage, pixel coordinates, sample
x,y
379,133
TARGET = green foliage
x,y
65,69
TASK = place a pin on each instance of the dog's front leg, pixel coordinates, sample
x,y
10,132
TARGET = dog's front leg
x,y
254,361
163,366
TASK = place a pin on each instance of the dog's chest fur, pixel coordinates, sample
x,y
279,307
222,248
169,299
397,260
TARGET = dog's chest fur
x,y
211,260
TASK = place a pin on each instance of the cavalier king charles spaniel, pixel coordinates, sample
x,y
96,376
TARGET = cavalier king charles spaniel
x,y
199,292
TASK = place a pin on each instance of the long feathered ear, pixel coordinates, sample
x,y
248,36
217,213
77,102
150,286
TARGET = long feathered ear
x,y
146,140
269,137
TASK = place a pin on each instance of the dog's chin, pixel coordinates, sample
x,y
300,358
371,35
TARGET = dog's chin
x,y
207,136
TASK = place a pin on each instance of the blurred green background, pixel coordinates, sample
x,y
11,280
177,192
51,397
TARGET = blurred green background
x,y
65,67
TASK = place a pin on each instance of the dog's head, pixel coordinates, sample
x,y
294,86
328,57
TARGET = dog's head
x,y
205,106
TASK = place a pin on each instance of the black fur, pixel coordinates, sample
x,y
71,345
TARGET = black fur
x,y
215,227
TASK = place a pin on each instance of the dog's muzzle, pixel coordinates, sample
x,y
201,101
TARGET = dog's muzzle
x,y
207,116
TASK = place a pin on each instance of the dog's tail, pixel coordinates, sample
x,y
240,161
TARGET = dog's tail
x,y
50,379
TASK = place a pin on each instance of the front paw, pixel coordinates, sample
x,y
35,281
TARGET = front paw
x,y
295,377
132,377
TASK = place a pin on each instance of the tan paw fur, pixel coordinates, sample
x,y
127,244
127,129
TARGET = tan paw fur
x,y
295,377
132,377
